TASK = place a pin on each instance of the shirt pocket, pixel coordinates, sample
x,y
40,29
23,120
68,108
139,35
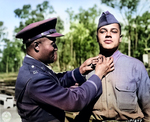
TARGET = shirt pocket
x,y
126,96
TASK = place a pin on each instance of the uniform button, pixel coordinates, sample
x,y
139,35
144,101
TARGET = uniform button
x,y
108,94
32,66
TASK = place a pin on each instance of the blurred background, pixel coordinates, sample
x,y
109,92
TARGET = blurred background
x,y
77,20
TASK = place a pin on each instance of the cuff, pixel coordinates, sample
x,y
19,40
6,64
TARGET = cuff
x,y
77,76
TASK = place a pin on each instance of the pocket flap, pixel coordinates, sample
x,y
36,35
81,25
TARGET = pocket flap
x,y
126,87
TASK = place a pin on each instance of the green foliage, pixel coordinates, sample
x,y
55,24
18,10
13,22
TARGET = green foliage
x,y
80,43
29,16
12,57
59,25
14,51
2,28
129,5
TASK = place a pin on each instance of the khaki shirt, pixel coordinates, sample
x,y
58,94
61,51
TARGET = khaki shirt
x,y
126,91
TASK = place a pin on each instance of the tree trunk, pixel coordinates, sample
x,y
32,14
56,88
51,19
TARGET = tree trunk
x,y
7,64
129,47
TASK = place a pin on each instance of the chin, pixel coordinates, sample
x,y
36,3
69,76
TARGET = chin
x,y
111,49
108,48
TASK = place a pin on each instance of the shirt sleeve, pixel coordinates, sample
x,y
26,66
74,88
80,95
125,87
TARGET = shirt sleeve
x,y
144,92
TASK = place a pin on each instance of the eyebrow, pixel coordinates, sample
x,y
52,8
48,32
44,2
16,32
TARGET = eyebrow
x,y
107,29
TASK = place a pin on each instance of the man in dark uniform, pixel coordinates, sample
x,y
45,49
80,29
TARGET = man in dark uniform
x,y
41,94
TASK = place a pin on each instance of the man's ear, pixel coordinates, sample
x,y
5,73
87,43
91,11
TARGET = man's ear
x,y
120,38
97,38
36,46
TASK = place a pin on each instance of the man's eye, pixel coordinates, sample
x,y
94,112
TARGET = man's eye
x,y
102,31
114,31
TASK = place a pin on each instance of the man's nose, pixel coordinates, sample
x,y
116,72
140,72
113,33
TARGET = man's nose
x,y
108,34
55,47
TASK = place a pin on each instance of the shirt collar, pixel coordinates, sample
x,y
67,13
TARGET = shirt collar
x,y
29,56
116,55
40,61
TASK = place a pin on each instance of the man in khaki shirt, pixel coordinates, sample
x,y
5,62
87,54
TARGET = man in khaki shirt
x,y
126,90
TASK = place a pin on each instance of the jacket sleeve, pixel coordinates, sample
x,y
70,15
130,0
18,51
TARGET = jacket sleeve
x,y
69,78
46,91
144,92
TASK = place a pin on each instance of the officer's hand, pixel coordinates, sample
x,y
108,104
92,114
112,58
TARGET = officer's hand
x,y
103,67
89,65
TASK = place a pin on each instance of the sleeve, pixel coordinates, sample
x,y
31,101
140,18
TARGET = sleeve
x,y
69,78
144,92
45,90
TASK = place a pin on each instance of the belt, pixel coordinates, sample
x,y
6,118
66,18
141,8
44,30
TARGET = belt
x,y
130,120
134,120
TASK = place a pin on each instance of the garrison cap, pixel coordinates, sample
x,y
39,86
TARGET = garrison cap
x,y
106,19
44,28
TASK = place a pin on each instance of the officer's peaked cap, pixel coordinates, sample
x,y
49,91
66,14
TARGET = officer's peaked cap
x,y
44,28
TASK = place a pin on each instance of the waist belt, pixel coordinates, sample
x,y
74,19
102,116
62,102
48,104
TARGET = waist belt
x,y
134,120
130,120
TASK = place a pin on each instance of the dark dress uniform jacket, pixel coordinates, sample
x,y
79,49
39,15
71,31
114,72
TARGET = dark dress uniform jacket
x,y
43,95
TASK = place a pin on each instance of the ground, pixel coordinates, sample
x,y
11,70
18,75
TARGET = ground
x,y
9,114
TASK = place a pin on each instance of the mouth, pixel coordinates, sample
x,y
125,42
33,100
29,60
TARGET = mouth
x,y
108,41
55,55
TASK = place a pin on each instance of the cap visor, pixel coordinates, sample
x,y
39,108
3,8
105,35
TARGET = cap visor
x,y
55,35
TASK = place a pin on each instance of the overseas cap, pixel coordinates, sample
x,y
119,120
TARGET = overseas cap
x,y
106,19
45,28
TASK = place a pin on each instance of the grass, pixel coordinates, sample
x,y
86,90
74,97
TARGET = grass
x,y
8,78
8,75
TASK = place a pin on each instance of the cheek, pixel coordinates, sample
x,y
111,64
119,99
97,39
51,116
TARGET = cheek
x,y
101,38
49,48
101,41
118,40
47,51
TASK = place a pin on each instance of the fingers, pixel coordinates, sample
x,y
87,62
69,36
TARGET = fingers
x,y
89,64
93,61
97,58
94,58
111,67
85,70
104,67
110,62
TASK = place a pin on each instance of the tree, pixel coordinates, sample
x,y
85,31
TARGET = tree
x,y
80,43
12,57
28,16
141,37
2,34
2,29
